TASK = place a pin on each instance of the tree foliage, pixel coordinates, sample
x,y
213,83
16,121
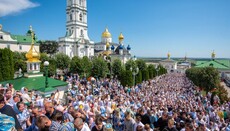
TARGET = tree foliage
x,y
19,61
86,66
99,67
49,47
52,64
62,61
138,77
141,64
75,65
207,78
117,68
6,64
127,78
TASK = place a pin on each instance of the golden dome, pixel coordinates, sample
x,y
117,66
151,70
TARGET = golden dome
x,y
106,53
168,55
106,34
121,37
107,44
32,55
213,55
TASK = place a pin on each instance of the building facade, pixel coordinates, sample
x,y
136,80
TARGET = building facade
x,y
169,64
76,42
19,43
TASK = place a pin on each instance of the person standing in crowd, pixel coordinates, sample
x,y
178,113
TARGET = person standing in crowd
x,y
44,123
36,112
80,126
129,122
50,110
6,109
23,115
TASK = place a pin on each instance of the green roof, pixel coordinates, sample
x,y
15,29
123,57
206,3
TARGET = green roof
x,y
225,62
213,63
36,83
25,39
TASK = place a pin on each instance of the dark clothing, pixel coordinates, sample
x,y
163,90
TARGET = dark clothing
x,y
161,124
170,129
95,129
8,110
51,116
145,119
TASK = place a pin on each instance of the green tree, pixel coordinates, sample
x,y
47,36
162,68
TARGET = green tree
x,y
62,61
129,78
7,64
130,63
52,64
145,74
126,78
86,66
141,64
99,67
49,47
207,78
19,61
117,68
76,65
151,69
138,78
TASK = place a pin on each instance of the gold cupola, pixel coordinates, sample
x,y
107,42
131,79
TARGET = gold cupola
x,y
168,55
107,45
106,33
213,55
121,37
32,55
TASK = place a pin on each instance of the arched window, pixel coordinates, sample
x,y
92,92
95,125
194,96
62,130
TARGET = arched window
x,y
80,2
70,17
82,33
80,17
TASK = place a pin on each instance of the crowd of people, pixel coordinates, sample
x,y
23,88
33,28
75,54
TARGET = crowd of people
x,y
169,102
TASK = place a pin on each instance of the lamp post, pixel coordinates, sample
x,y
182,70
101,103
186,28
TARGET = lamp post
x,y
157,69
134,73
46,64
92,82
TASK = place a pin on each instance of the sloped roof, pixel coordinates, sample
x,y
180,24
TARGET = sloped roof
x,y
35,83
214,64
23,39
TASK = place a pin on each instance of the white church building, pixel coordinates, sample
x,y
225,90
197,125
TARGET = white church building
x,y
76,42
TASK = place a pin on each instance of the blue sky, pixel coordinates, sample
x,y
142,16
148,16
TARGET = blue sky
x,y
151,27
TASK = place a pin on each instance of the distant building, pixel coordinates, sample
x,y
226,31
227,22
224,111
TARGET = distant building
x,y
117,52
76,42
169,64
223,65
106,37
19,43
33,79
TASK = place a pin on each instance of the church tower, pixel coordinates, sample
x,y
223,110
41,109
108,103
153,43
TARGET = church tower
x,y
76,19
76,41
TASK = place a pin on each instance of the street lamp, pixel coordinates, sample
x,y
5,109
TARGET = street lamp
x,y
134,72
92,82
46,64
157,69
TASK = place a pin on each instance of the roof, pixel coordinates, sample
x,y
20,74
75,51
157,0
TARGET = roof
x,y
125,51
168,60
36,83
213,63
23,39
102,43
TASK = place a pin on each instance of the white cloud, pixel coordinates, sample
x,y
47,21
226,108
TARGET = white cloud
x,y
8,7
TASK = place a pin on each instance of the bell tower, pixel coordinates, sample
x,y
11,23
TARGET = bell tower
x,y
76,19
